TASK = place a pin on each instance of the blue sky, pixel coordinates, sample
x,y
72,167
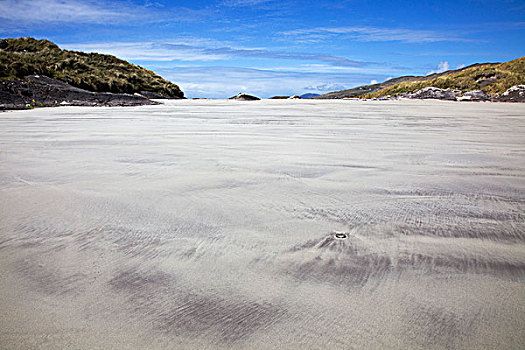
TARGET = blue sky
x,y
277,47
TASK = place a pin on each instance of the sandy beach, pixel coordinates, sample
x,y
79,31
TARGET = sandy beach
x,y
208,224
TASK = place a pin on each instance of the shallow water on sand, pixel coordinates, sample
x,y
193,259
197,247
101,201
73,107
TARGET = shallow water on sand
x,y
209,225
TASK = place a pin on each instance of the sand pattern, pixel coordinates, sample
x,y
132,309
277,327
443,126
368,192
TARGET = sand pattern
x,y
210,224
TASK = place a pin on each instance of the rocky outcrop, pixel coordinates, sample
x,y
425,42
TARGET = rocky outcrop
x,y
475,95
513,94
42,91
244,97
433,93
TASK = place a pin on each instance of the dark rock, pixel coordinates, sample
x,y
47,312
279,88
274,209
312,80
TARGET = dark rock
x,y
42,91
3,44
294,97
433,93
279,98
513,94
244,97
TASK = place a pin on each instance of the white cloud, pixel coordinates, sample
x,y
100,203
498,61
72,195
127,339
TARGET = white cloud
x,y
373,34
373,81
459,66
443,66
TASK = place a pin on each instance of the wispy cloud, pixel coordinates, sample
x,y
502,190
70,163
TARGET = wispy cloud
x,y
325,87
242,3
373,34
195,49
26,11
20,13
331,69
150,51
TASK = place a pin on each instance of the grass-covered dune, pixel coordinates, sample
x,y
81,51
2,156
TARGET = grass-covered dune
x,y
90,71
491,78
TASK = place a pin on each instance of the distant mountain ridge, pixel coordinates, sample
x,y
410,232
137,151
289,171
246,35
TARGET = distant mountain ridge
x,y
89,71
309,95
491,78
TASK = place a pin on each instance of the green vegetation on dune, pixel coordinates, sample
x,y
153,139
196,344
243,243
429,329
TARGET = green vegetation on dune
x,y
492,78
91,71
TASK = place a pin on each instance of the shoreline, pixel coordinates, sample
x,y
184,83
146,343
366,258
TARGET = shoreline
x,y
156,102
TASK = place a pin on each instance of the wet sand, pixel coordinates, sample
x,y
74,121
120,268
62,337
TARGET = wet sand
x,y
208,225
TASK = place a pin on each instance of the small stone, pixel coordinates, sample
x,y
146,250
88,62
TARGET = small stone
x,y
340,235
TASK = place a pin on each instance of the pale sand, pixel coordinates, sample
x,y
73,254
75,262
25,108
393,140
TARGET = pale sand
x,y
206,225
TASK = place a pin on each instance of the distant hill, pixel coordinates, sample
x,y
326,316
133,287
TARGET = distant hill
x,y
89,71
309,95
492,78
